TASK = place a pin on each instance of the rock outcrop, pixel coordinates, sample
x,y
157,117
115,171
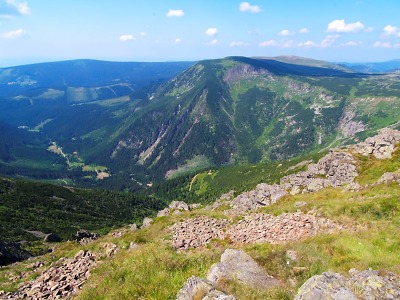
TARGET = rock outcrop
x,y
176,207
263,195
337,168
11,252
390,177
381,146
237,265
334,169
84,237
361,285
62,280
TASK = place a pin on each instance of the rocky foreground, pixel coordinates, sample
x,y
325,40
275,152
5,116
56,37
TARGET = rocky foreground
x,y
240,224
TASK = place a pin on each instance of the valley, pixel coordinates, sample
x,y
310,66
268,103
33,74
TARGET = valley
x,y
215,113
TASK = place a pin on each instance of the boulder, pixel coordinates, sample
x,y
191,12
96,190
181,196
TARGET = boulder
x,y
368,284
327,286
263,195
198,288
237,265
292,255
164,212
390,177
110,249
147,222
133,227
179,205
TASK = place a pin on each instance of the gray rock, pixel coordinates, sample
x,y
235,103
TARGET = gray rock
x,y
218,295
334,169
381,146
110,249
390,177
179,205
292,255
239,266
133,227
147,222
263,195
194,206
62,280
198,288
367,284
163,213
374,286
328,286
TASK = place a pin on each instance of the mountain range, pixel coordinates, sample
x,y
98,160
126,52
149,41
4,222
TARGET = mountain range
x,y
76,121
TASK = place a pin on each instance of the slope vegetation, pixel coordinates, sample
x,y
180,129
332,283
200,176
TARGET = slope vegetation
x,y
336,228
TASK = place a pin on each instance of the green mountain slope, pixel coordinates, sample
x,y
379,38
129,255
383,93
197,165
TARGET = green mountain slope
x,y
228,111
242,110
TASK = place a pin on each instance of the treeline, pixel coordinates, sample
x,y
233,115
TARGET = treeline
x,y
35,206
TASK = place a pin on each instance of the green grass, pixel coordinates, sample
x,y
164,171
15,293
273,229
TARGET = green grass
x,y
371,168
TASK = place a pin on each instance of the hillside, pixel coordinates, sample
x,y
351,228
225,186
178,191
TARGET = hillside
x,y
225,112
241,110
328,228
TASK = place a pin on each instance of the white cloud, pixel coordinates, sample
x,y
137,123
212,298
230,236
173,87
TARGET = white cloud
x,y
352,43
246,6
304,30
178,41
274,43
175,13
369,29
211,31
308,44
285,32
9,8
329,40
238,44
14,34
382,45
269,43
143,33
390,30
127,38
397,45
341,26
213,42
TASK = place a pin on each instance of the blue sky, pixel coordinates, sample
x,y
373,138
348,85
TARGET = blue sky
x,y
171,30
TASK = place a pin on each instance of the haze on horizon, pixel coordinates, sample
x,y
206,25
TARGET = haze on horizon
x,y
131,30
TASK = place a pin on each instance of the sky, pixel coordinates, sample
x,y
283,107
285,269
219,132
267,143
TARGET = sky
x,y
34,31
